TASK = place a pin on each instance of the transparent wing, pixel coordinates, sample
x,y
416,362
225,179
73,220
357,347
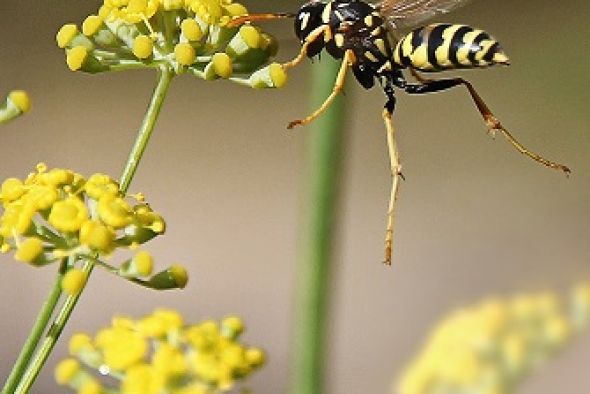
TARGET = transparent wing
x,y
407,13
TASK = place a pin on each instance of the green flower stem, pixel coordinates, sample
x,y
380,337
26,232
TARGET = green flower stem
x,y
51,338
145,131
26,370
324,151
36,332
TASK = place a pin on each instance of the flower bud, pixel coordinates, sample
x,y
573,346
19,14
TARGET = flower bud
x,y
271,76
175,277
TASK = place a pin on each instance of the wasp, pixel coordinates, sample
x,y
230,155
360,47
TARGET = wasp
x,y
364,36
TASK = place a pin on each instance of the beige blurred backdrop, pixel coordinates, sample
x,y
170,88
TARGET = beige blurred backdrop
x,y
474,217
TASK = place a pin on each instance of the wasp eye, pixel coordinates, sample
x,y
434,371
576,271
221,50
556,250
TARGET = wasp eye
x,y
308,18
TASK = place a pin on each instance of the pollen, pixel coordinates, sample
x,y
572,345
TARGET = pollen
x,y
75,57
184,54
143,46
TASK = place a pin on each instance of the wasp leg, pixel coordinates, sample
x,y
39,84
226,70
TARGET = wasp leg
x,y
323,30
396,174
258,17
493,124
338,85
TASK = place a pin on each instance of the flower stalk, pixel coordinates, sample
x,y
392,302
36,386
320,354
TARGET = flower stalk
x,y
323,158
165,76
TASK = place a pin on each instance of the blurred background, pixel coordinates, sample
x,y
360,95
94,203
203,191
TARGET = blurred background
x,y
475,218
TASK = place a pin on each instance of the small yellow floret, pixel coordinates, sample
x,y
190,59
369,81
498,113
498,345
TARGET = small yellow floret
x,y
20,98
278,75
68,215
191,30
251,36
222,65
170,5
114,211
236,9
100,184
29,250
122,348
12,188
143,46
143,263
75,57
66,370
65,35
179,274
42,197
73,281
97,236
91,386
232,326
79,342
184,53
255,357
91,25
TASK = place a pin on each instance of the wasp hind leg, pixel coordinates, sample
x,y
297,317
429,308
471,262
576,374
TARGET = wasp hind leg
x,y
396,175
338,85
493,124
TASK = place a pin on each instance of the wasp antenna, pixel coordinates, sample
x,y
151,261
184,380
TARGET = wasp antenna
x,y
258,17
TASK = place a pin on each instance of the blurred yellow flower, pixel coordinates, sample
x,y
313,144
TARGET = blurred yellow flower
x,y
159,354
490,347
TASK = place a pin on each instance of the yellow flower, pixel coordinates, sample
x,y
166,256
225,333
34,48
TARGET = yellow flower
x,y
68,215
172,363
97,236
122,348
114,211
66,370
73,281
29,250
100,184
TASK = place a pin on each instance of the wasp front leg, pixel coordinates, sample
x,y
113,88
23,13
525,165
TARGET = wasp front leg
x,y
493,123
338,85
396,175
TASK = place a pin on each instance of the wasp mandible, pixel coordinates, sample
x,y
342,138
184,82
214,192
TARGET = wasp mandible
x,y
362,34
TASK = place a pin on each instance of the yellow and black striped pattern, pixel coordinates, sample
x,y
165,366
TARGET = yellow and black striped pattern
x,y
439,47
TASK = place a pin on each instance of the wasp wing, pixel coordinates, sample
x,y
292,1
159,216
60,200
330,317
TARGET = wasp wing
x,y
407,13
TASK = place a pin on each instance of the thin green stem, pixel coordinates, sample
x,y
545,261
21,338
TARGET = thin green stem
x,y
29,368
324,151
147,126
52,336
36,332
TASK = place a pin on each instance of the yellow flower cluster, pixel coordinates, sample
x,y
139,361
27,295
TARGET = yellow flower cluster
x,y
16,104
489,348
184,35
159,354
56,213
